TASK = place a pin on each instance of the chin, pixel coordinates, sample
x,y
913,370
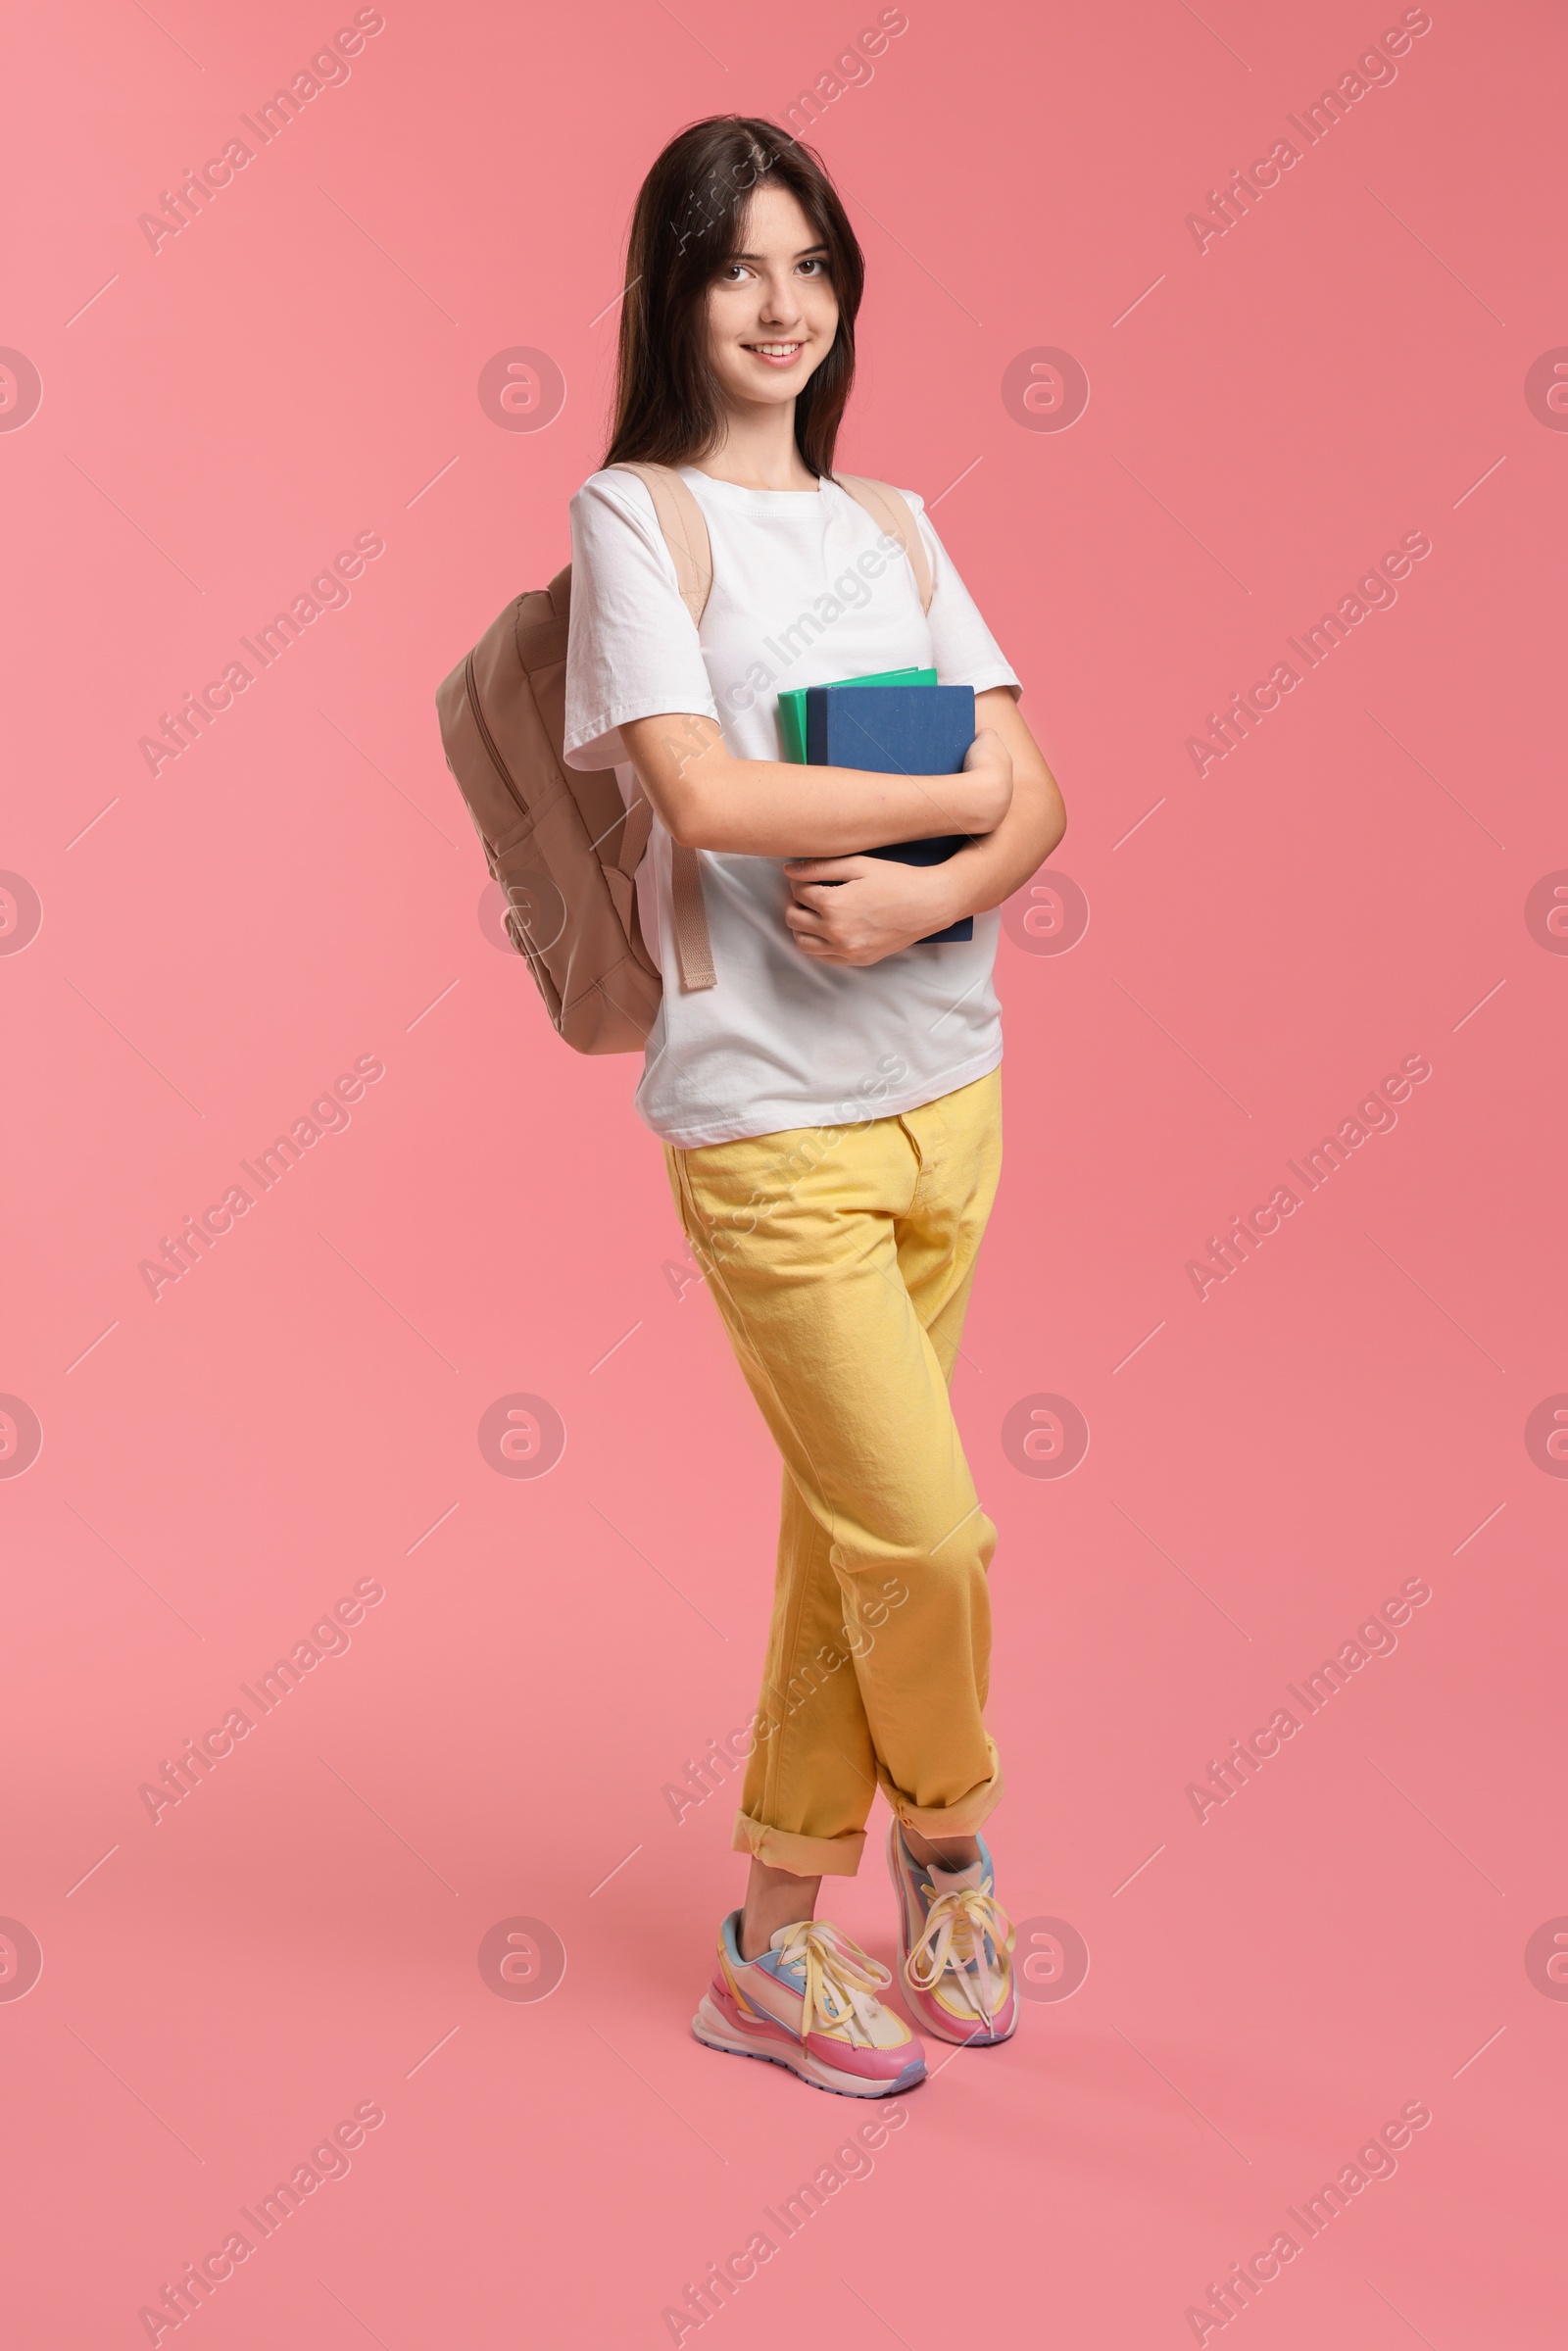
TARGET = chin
x,y
768,394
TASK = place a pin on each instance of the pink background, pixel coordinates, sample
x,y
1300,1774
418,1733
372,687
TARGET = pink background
x,y
301,1410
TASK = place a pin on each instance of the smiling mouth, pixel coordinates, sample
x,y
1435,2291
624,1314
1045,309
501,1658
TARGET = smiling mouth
x,y
773,351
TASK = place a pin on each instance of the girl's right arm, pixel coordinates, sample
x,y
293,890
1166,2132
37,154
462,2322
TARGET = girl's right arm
x,y
708,799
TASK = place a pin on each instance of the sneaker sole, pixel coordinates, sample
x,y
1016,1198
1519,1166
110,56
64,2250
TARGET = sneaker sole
x,y
710,2028
930,2018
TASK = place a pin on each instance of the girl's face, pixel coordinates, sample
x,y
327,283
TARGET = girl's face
x,y
772,313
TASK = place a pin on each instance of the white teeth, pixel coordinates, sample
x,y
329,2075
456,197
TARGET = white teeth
x,y
775,351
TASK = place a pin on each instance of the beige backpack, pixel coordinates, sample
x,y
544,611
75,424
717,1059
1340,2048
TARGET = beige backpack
x,y
560,842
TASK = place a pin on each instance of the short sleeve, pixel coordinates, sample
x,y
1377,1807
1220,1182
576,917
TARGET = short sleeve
x,y
633,649
965,651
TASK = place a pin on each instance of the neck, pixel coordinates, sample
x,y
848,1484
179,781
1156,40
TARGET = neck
x,y
755,451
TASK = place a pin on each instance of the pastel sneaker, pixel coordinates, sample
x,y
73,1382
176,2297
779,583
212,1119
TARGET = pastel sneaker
x,y
809,2002
954,1945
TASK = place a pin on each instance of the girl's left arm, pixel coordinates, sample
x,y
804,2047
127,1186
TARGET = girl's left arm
x,y
880,906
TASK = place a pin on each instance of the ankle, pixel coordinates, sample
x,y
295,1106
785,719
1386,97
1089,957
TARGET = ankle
x,y
774,1898
755,1933
757,1938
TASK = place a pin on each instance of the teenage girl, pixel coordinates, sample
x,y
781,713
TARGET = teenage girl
x,y
830,1107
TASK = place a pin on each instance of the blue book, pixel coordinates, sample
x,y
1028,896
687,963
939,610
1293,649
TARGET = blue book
x,y
897,730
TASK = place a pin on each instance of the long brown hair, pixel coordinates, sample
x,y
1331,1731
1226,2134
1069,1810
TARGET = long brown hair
x,y
691,210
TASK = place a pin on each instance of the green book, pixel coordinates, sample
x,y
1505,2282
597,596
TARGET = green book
x,y
792,705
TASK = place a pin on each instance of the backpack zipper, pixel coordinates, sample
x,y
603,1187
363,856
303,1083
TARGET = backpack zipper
x,y
485,736
534,961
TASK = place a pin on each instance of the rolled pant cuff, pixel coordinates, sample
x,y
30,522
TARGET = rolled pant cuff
x,y
962,1819
802,1856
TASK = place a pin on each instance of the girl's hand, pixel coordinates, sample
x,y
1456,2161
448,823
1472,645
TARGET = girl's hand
x,y
860,909
988,763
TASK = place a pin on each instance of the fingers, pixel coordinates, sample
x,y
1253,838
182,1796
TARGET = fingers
x,y
818,946
988,764
824,869
815,938
812,937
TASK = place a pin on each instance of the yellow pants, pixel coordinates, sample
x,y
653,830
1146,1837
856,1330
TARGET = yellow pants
x,y
841,1259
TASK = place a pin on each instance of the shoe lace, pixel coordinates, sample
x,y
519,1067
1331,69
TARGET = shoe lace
x,y
969,1933
842,1981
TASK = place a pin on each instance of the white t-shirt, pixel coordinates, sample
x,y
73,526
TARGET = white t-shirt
x,y
806,589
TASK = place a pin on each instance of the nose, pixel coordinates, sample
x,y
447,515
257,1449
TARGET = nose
x,y
779,307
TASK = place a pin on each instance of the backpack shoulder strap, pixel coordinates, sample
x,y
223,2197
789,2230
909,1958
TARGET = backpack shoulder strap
x,y
885,506
680,519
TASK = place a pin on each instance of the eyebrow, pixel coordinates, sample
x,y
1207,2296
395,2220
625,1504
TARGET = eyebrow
x,y
805,255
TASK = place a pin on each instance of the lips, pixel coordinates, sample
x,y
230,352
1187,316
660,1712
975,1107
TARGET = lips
x,y
775,354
